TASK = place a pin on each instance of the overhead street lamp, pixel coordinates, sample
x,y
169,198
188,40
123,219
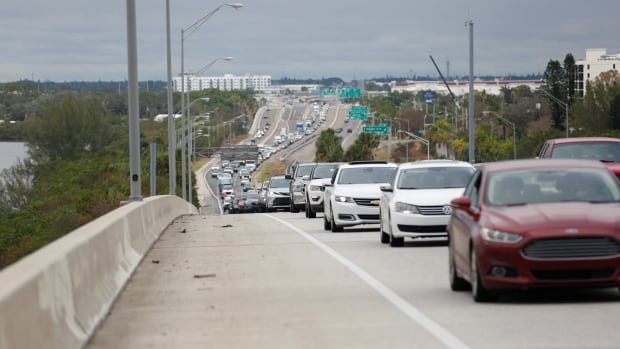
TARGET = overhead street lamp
x,y
560,102
511,125
185,34
190,125
406,144
423,140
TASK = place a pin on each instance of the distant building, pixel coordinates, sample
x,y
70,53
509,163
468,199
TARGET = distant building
x,y
597,61
460,88
225,83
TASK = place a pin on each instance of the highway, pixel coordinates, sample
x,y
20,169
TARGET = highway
x,y
279,280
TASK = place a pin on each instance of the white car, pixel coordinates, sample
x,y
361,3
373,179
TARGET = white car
x,y
352,196
315,186
417,203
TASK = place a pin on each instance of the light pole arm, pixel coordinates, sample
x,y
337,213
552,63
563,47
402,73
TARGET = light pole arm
x,y
209,65
560,103
423,140
192,28
555,99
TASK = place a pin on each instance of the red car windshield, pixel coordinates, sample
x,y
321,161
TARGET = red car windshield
x,y
551,185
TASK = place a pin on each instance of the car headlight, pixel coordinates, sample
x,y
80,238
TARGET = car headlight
x,y
499,236
297,187
315,188
405,208
340,198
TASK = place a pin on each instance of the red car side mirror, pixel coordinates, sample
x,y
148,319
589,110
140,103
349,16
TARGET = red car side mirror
x,y
464,203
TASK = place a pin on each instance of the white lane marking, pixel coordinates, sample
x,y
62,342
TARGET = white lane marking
x,y
447,338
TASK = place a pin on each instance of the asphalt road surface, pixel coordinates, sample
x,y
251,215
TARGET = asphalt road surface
x,y
279,280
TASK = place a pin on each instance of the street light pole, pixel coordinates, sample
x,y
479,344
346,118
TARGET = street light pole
x,y
134,125
172,168
407,143
190,125
423,140
511,125
560,103
184,144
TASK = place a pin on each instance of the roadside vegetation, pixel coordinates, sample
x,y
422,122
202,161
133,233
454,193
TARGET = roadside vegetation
x,y
78,162
78,140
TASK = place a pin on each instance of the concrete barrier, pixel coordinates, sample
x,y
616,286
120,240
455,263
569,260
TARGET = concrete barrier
x,y
57,296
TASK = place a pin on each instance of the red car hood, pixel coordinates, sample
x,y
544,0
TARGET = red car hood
x,y
552,216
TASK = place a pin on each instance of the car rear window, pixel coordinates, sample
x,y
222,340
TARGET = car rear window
x,y
366,175
606,151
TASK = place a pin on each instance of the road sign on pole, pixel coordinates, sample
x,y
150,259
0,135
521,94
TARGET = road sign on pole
x,y
358,112
348,92
376,130
429,95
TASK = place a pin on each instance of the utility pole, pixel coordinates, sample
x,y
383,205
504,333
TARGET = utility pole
x,y
472,159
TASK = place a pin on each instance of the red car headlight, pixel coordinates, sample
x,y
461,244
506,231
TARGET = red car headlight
x,y
499,236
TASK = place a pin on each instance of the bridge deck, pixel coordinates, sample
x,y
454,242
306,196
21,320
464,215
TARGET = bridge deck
x,y
245,281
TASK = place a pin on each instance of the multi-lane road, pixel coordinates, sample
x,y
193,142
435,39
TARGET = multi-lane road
x,y
279,280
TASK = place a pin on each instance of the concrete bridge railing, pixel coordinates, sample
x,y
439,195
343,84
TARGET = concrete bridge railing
x,y
57,296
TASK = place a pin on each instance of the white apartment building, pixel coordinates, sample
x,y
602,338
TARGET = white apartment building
x,y
226,83
597,61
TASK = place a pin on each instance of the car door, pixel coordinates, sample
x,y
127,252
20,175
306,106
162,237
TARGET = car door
x,y
328,193
387,194
463,222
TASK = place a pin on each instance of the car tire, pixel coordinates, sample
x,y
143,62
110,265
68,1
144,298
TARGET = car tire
x,y
309,212
294,209
327,225
456,283
394,242
478,291
397,242
335,227
385,238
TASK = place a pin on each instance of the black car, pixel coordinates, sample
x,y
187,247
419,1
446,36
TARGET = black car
x,y
251,201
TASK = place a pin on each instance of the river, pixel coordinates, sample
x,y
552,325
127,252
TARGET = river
x,y
10,152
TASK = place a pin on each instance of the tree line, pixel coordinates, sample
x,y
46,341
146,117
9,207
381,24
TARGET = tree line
x,y
78,161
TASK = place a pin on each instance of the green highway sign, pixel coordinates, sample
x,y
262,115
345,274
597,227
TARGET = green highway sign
x,y
348,92
358,112
376,130
328,92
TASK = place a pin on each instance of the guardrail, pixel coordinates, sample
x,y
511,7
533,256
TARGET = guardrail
x,y
57,296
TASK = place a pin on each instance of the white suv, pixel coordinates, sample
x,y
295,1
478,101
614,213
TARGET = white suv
x,y
352,196
417,203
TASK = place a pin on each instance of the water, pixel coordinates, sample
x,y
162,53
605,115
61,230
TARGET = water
x,y
10,152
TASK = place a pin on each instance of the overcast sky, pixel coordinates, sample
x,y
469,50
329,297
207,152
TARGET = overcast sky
x,y
64,40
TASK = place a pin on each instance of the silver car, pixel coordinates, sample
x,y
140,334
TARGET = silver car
x,y
296,189
278,194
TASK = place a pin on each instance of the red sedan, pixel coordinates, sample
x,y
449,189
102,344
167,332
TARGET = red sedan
x,y
536,223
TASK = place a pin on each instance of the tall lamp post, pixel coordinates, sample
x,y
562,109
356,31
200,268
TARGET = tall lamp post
x,y
190,125
406,144
423,140
560,102
134,126
172,167
511,125
185,34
